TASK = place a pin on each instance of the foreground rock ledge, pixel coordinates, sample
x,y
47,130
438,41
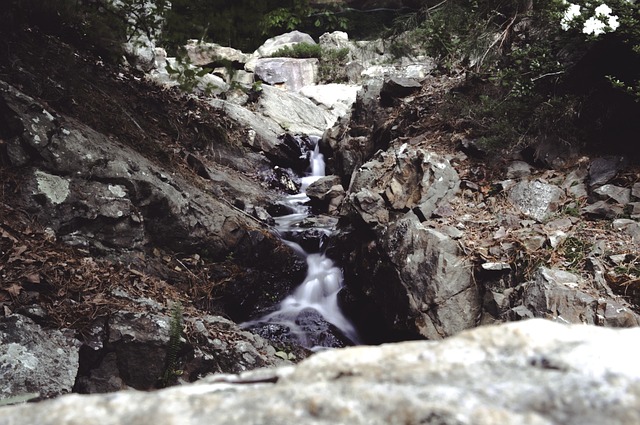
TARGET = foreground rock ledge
x,y
531,372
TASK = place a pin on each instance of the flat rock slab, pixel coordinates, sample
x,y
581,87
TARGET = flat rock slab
x,y
534,372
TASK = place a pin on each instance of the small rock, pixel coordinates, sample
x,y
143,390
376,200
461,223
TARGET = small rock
x,y
556,238
635,210
618,259
602,170
536,199
534,243
621,195
518,169
452,232
630,227
398,87
635,190
466,184
603,209
496,266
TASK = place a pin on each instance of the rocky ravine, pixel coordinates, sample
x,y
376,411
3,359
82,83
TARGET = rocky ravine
x,y
109,220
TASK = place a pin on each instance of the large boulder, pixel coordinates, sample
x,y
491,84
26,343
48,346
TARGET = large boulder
x,y
201,53
132,349
290,73
35,360
525,373
403,178
415,280
565,297
293,112
94,191
336,98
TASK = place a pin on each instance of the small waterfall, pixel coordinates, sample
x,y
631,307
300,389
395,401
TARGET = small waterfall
x,y
318,293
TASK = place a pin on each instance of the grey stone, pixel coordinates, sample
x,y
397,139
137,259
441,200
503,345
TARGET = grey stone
x,y
518,169
336,98
407,178
603,209
493,266
621,195
533,372
630,227
201,53
293,112
602,170
435,275
574,183
321,187
558,295
291,73
370,206
35,360
536,199
397,87
635,190
635,210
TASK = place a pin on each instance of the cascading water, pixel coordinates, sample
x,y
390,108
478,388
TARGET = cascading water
x,y
318,294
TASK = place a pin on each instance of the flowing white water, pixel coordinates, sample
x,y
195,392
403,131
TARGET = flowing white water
x,y
319,291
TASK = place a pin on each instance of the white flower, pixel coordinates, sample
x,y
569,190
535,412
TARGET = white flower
x,y
572,12
601,21
603,9
593,26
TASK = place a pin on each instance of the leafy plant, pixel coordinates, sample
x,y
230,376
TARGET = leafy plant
x,y
189,77
332,65
575,252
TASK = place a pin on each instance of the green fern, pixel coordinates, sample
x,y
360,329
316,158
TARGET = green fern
x,y
171,371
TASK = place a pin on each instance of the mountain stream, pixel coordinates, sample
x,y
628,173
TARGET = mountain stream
x,y
297,314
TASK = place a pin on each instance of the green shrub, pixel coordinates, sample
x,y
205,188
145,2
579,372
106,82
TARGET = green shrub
x,y
332,65
299,50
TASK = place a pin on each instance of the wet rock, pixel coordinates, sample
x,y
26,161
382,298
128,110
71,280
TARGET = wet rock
x,y
291,73
514,373
309,329
319,189
621,195
35,360
536,199
602,170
